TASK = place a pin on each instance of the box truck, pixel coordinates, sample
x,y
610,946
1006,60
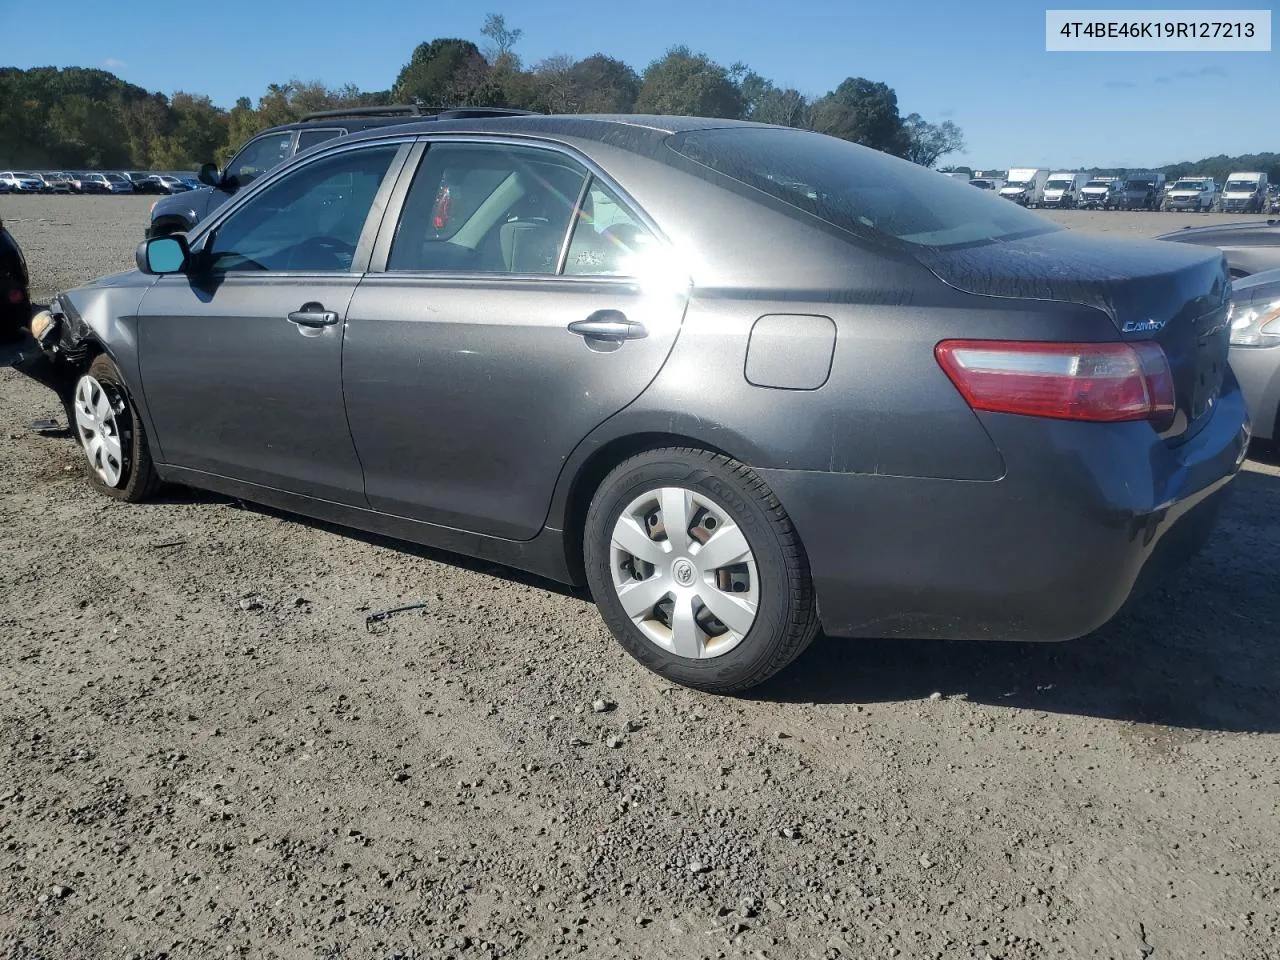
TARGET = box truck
x,y
1025,185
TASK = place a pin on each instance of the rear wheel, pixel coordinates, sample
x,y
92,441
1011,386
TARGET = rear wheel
x,y
697,569
111,434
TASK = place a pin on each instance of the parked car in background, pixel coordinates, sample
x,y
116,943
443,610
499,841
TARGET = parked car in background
x,y
1250,247
604,330
272,147
1244,193
986,183
1255,349
1273,202
19,182
1191,193
1141,191
1100,193
15,297
116,183
58,183
91,183
1062,190
165,183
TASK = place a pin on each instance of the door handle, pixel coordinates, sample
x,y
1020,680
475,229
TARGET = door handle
x,y
611,325
313,315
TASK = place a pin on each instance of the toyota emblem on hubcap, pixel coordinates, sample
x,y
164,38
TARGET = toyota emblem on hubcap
x,y
683,571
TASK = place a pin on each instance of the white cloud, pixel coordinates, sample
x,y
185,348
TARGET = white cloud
x,y
111,63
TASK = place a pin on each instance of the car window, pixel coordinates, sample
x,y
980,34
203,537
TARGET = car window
x,y
855,189
607,239
309,220
309,138
487,209
259,156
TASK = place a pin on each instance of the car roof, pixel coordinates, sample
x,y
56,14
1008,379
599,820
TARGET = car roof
x,y
639,133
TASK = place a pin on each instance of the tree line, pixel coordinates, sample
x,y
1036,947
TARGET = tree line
x,y
87,118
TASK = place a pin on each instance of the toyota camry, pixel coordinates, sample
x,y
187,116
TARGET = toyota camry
x,y
745,382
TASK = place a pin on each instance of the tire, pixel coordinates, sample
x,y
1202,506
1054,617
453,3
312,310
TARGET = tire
x,y
120,464
775,577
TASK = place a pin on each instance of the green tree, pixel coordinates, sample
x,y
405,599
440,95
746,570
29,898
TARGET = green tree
x,y
927,142
688,84
601,84
863,111
443,73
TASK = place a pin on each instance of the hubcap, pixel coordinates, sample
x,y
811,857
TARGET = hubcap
x,y
99,430
684,573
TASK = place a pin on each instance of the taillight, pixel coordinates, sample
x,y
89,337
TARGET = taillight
x,y
1103,382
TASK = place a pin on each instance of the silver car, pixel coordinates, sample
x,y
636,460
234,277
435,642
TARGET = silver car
x,y
1255,348
743,381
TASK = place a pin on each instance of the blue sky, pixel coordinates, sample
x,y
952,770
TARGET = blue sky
x,y
982,65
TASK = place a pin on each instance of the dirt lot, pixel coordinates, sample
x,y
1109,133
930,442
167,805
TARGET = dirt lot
x,y
204,753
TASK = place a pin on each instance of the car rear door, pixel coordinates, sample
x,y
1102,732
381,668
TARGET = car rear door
x,y
241,358
489,338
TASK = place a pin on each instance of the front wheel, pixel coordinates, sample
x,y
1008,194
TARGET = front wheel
x,y
697,569
111,434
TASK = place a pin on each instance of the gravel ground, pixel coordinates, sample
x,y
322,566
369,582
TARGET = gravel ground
x,y
203,752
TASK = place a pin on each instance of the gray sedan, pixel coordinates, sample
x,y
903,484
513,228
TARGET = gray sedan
x,y
743,381
1250,247
1255,339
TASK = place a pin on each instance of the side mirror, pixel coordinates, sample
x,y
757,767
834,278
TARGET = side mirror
x,y
162,255
209,175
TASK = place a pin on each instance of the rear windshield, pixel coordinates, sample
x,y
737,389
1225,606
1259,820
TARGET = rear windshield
x,y
856,189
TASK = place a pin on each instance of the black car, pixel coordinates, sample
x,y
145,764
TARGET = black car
x,y
1251,247
272,147
15,298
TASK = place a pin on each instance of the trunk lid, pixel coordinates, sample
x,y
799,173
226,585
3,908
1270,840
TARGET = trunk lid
x,y
1174,294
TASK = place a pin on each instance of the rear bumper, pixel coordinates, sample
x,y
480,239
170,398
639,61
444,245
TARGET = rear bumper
x,y
1049,552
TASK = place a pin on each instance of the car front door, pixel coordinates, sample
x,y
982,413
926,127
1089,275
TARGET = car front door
x,y
241,356
517,302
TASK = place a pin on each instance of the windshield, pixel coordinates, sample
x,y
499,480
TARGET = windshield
x,y
855,189
1058,185
1188,185
1141,184
1103,184
26,176
115,178
1019,184
1241,186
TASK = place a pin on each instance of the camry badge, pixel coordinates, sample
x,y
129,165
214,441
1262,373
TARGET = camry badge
x,y
1142,326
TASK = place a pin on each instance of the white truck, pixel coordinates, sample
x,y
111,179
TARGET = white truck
x,y
1025,185
1191,193
1244,193
1100,193
1063,189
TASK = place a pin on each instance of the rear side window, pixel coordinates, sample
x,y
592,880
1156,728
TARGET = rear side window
x,y
309,138
856,189
607,240
487,208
